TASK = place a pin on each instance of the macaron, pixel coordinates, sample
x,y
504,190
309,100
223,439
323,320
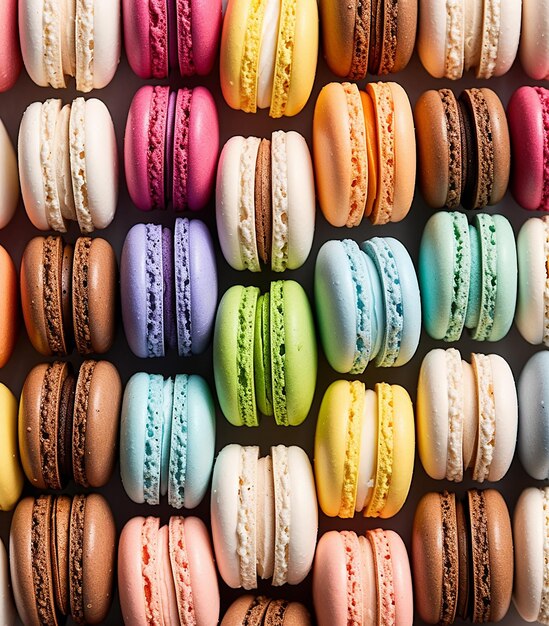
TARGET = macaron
x,y
527,112
62,558
462,557
265,202
167,34
455,37
364,449
364,151
468,276
372,37
265,358
269,54
534,45
10,54
467,416
8,615
166,574
170,148
63,38
464,152
9,306
362,579
68,164
533,436
69,292
248,610
264,515
531,535
367,303
167,439
168,285
9,176
68,424
11,474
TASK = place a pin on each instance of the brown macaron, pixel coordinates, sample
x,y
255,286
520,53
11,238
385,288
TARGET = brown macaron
x,y
68,426
361,36
251,610
66,292
62,559
464,152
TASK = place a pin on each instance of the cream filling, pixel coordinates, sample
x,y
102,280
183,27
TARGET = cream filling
x,y
282,492
368,452
51,110
486,416
245,529
543,615
51,43
63,164
279,191
455,34
490,38
473,33
265,518
246,208
454,378
267,53
84,44
77,145
546,290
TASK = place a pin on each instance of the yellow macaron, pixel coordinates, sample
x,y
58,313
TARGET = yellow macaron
x,y
11,474
359,435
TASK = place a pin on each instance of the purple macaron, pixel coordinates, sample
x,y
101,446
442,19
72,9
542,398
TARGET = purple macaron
x,y
168,288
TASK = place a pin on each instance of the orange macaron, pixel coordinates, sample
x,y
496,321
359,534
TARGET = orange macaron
x,y
9,306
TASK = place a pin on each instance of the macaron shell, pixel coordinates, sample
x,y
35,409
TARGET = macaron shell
x,y
7,608
337,41
11,481
232,50
137,27
10,59
402,579
106,41
30,34
534,45
130,580
509,35
9,307
507,278
432,37
501,143
206,19
9,177
246,608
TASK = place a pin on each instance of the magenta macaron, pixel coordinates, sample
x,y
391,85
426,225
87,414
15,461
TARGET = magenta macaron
x,y
163,34
10,53
170,148
528,116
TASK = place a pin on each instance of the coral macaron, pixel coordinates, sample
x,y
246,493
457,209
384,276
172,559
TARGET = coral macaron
x,y
534,44
10,54
9,306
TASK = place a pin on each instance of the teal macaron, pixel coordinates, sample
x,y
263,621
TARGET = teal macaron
x,y
468,276
265,359
367,303
167,439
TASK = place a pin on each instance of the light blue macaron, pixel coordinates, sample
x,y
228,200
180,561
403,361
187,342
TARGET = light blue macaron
x,y
167,439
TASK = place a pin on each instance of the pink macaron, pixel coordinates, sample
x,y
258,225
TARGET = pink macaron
x,y
10,53
170,148
166,575
528,116
163,34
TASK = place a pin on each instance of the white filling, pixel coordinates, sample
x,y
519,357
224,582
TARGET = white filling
x,y
486,416
63,164
543,615
490,39
473,33
265,523
279,187
77,141
246,222
282,494
50,114
245,529
546,291
51,41
454,377
368,451
267,53
84,45
454,39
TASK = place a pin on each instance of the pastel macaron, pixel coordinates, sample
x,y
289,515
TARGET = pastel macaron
x,y
11,474
533,436
171,146
70,541
364,150
68,295
375,38
362,579
168,285
367,303
531,534
63,38
265,202
10,56
467,416
464,153
162,36
534,46
167,438
364,449
167,573
68,424
262,611
265,357
68,164
9,306
460,36
9,177
269,54
468,276
264,515
462,557
7,607
528,111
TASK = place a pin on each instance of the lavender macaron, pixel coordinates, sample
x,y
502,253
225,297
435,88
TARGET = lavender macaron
x,y
168,285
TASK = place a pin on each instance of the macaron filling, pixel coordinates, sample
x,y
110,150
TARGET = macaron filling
x,y
77,146
181,573
456,410
486,416
267,52
246,517
352,450
246,222
279,164
462,276
50,117
282,498
263,201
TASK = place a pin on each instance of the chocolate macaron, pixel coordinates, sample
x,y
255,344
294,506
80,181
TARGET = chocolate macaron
x,y
462,556
262,611
62,552
68,425
69,292
464,153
